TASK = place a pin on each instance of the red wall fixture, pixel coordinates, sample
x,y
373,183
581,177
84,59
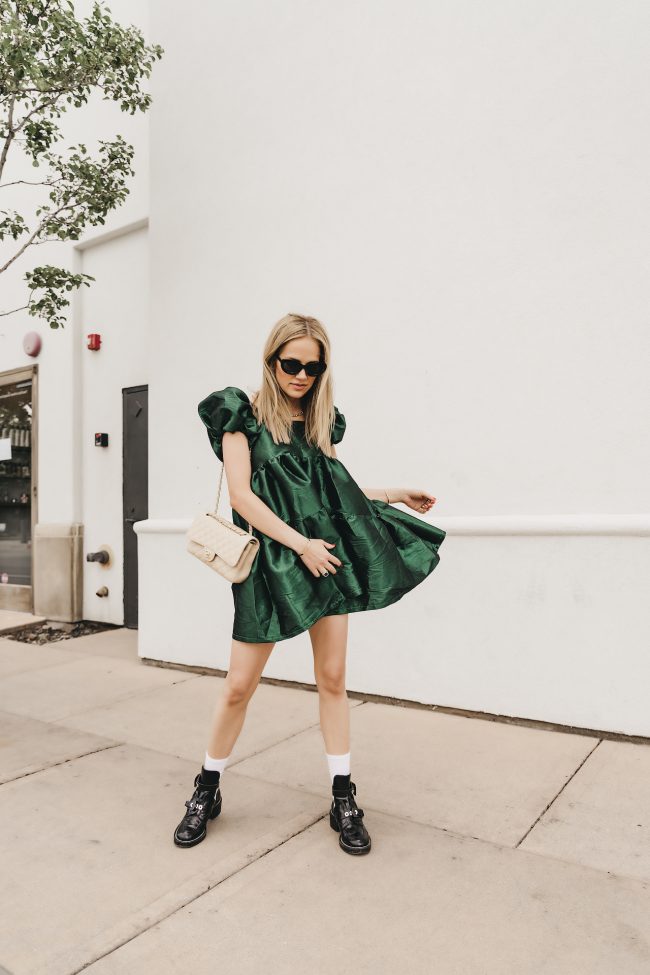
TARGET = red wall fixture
x,y
94,341
32,343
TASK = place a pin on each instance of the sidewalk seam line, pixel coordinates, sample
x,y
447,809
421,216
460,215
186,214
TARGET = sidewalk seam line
x,y
101,707
195,897
64,761
310,727
559,793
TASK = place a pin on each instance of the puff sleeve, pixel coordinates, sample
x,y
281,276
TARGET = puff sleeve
x,y
227,410
339,426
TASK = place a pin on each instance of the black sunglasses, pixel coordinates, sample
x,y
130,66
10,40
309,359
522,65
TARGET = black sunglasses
x,y
293,366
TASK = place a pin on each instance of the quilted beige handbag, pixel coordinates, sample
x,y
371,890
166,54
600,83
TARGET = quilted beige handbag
x,y
222,545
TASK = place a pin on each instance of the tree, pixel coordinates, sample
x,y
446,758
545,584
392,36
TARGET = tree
x,y
49,61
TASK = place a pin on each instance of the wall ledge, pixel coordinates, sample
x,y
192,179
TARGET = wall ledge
x,y
102,236
572,524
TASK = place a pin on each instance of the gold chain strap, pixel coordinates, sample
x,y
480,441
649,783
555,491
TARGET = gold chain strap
x,y
216,507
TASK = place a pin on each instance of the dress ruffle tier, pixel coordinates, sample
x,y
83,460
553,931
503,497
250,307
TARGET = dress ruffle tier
x,y
385,552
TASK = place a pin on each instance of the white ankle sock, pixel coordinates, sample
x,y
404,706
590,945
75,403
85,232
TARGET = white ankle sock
x,y
338,764
215,764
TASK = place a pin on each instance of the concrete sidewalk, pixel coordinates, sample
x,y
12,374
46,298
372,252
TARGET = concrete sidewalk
x,y
496,848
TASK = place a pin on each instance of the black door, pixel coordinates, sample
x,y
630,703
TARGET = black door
x,y
135,496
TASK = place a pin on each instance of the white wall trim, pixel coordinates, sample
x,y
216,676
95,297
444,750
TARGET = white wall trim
x,y
589,524
105,235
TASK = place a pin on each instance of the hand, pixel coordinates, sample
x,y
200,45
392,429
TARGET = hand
x,y
317,558
418,500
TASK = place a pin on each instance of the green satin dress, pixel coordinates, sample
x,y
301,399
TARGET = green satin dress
x,y
385,552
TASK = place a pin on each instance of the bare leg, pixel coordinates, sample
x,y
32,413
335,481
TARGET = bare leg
x,y
247,661
329,640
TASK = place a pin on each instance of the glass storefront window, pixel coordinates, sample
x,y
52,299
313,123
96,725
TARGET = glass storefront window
x,y
16,483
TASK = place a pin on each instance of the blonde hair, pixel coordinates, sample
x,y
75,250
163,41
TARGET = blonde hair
x,y
270,405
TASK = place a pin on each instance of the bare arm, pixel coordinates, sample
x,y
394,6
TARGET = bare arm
x,y
237,463
412,497
391,495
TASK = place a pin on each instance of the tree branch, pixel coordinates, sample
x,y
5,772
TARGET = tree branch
x,y
13,310
26,182
37,108
10,134
33,237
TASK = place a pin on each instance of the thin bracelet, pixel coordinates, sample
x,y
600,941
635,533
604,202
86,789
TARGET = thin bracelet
x,y
305,548
386,493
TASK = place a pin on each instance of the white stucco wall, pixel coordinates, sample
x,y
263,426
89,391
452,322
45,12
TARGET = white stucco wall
x,y
117,307
81,391
459,192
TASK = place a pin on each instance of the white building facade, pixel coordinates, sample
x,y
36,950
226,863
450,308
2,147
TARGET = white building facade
x,y
460,194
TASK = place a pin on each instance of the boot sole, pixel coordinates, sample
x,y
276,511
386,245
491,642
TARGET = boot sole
x,y
197,839
354,850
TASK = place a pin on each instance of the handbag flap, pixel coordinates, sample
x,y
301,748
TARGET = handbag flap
x,y
218,536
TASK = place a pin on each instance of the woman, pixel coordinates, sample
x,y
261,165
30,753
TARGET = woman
x,y
327,548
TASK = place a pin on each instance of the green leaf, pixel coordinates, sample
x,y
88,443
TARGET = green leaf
x,y
49,64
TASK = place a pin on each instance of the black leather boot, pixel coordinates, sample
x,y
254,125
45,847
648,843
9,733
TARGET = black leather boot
x,y
205,804
346,817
